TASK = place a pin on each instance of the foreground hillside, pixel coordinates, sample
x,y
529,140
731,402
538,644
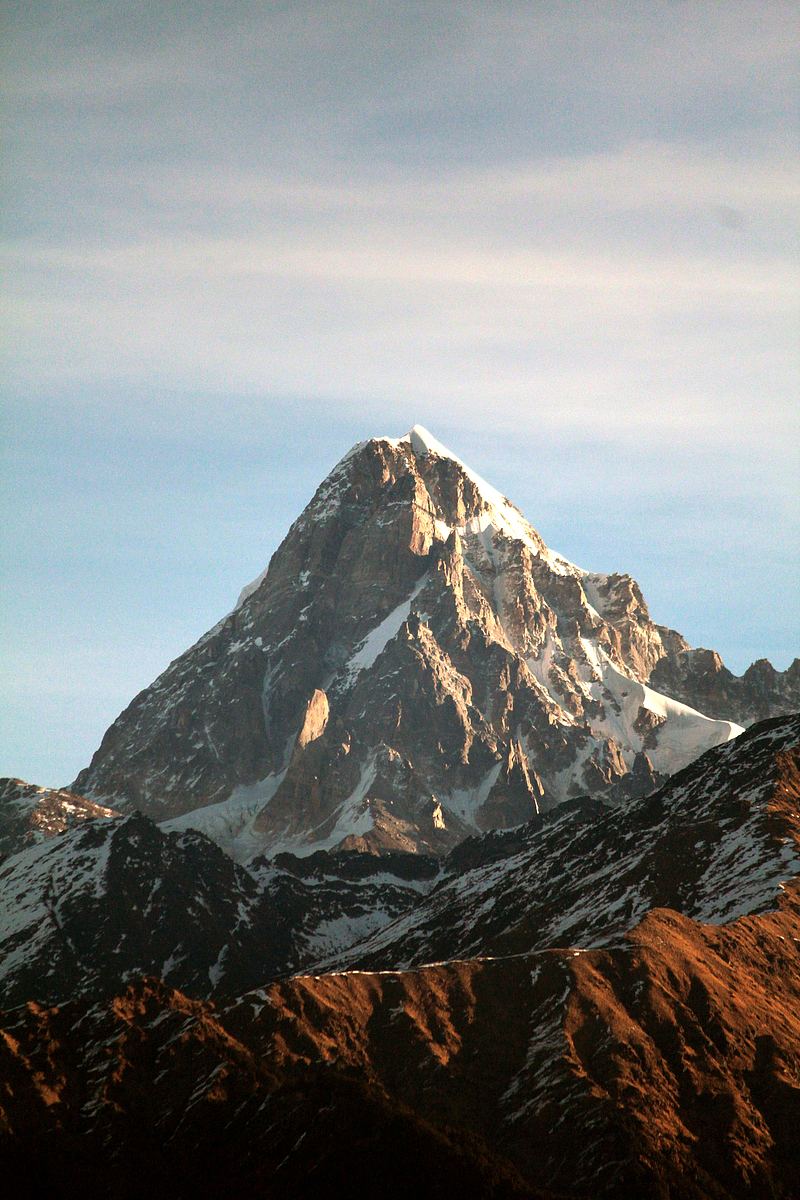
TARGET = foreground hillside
x,y
666,1066
616,1013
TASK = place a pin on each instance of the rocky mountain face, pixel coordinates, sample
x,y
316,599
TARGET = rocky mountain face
x,y
616,1014
30,814
415,666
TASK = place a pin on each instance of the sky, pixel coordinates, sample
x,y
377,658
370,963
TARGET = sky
x,y
237,238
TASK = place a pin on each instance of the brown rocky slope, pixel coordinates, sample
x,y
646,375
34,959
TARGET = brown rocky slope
x,y
668,1066
31,814
663,1064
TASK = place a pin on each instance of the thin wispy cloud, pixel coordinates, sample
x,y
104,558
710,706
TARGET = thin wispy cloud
x,y
562,236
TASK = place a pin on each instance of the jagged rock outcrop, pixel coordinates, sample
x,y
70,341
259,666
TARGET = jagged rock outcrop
x,y
415,665
29,814
700,678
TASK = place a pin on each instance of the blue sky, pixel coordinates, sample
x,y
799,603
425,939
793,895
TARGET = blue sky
x,y
239,237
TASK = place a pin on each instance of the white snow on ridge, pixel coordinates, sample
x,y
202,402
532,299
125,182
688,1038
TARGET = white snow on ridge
x,y
36,882
376,641
502,516
231,822
251,587
684,734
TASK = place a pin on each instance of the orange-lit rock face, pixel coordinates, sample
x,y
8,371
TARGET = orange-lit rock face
x,y
679,1050
314,721
671,1059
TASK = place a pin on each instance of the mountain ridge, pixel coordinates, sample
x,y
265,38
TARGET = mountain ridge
x,y
118,897
415,880
601,1002
414,665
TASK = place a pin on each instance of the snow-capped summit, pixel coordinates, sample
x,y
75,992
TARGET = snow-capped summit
x,y
414,664
423,442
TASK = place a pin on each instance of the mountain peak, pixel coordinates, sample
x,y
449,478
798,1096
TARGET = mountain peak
x,y
418,438
415,665
422,443
504,516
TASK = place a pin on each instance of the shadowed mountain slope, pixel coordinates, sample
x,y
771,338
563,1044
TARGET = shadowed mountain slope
x,y
112,899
